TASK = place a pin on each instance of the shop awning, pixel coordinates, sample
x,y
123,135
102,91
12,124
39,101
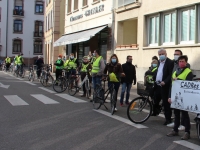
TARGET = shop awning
x,y
78,37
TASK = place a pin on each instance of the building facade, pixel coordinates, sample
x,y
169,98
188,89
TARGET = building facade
x,y
22,28
54,28
88,26
143,27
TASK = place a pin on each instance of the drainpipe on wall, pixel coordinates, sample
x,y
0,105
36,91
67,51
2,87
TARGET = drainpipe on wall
x,y
52,48
7,28
113,28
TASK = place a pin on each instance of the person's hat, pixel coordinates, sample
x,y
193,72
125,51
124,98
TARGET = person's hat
x,y
60,55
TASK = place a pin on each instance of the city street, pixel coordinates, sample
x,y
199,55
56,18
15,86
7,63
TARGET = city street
x,y
33,117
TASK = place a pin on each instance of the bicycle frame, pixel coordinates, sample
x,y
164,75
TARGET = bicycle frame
x,y
84,80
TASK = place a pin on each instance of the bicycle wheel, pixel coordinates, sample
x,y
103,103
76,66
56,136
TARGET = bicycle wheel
x,y
46,80
98,97
60,85
113,102
23,73
32,76
87,88
11,69
72,89
139,110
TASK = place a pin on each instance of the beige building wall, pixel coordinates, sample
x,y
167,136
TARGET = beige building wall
x,y
143,53
55,30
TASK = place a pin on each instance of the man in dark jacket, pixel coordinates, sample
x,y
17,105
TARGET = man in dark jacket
x,y
130,76
163,76
39,64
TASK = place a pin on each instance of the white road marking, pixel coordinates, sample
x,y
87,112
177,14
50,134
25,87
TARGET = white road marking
x,y
139,126
29,82
45,89
71,98
15,100
188,144
44,99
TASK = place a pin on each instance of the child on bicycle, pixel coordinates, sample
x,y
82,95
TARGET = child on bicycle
x,y
115,71
84,68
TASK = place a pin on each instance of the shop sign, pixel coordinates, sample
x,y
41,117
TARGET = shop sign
x,y
94,10
76,18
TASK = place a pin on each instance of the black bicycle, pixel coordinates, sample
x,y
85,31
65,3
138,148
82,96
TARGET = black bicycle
x,y
100,96
45,78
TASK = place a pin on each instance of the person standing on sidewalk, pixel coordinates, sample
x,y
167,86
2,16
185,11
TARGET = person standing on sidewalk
x,y
182,73
72,65
59,66
97,68
39,64
127,81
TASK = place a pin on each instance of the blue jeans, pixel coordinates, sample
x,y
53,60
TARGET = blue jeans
x,y
71,72
125,87
96,80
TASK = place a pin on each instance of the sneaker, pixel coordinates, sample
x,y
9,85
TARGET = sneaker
x,y
181,128
121,104
115,109
186,136
171,125
172,133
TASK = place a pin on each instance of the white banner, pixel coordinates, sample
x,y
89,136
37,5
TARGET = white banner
x,y
185,95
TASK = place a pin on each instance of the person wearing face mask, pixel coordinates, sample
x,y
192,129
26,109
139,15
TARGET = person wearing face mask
x,y
59,66
71,65
162,85
84,68
128,80
115,71
181,73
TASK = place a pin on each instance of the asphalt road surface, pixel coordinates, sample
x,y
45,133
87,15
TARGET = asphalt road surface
x,y
33,117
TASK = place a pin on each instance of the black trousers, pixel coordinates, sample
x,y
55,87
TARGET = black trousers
x,y
58,73
90,80
7,66
185,119
162,93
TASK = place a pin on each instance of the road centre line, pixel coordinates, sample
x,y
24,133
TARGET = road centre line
x,y
126,121
15,100
44,99
188,144
45,89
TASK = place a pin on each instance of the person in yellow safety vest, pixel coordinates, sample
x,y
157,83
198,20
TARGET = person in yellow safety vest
x,y
15,59
181,73
84,68
115,72
20,62
7,62
97,68
59,66
71,65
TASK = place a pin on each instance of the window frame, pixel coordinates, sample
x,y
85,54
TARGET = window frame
x,y
76,4
163,28
21,43
180,28
14,31
41,50
148,29
69,6
40,3
84,1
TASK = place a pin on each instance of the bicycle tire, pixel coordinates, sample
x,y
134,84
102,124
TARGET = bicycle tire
x,y
140,114
72,89
60,85
87,88
113,102
46,81
32,77
97,97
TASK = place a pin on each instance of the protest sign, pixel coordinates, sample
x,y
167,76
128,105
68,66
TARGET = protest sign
x,y
185,95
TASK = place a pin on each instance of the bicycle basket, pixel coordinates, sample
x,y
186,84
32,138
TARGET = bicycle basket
x,y
141,89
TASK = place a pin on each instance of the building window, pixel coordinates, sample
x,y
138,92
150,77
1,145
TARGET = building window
x,y
153,30
17,25
75,4
39,8
187,24
17,46
169,27
38,29
38,45
84,2
18,10
69,6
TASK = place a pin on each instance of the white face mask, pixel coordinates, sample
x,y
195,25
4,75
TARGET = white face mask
x,y
59,58
176,57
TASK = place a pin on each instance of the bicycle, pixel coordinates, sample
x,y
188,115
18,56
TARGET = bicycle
x,y
61,84
20,72
99,97
140,108
73,85
45,78
31,76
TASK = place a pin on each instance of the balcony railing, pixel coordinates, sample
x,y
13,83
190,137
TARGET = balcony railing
x,y
127,46
17,12
121,3
38,34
